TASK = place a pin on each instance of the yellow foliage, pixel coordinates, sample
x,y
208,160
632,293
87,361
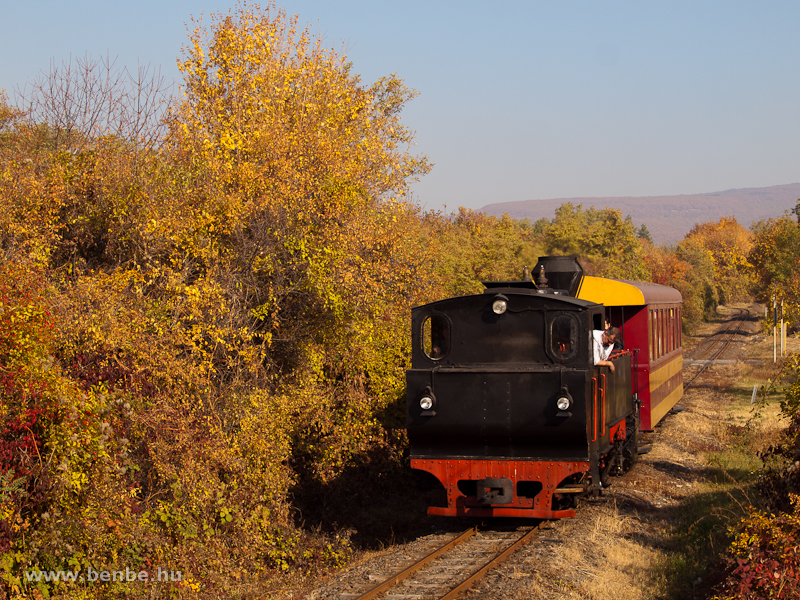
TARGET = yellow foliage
x,y
727,244
232,304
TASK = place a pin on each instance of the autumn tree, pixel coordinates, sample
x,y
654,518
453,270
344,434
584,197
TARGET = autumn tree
x,y
605,240
77,148
30,198
295,174
471,247
728,245
776,262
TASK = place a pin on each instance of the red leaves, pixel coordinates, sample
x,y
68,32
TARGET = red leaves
x,y
768,561
116,373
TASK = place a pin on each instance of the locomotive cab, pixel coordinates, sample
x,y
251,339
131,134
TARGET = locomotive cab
x,y
505,405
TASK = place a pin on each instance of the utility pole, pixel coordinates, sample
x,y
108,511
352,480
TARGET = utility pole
x,y
783,332
774,329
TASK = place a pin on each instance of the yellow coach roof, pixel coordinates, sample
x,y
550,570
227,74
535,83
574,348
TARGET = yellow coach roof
x,y
618,292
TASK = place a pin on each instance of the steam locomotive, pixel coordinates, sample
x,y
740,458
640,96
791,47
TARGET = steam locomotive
x,y
505,406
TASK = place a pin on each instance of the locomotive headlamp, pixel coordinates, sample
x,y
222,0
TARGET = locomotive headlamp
x,y
427,402
500,304
563,403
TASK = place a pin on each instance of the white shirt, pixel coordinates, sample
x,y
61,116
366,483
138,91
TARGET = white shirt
x,y
601,352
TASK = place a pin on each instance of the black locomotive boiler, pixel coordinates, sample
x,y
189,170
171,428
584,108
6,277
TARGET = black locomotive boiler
x,y
505,406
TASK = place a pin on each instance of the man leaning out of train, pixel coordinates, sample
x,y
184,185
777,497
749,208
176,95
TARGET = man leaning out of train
x,y
603,345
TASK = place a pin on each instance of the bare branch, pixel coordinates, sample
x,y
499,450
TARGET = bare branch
x,y
84,99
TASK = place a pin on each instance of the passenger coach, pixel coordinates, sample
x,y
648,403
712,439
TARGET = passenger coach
x,y
649,317
505,406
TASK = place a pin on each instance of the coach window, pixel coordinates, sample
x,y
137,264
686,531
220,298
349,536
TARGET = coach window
x,y
660,332
673,344
653,335
668,331
436,336
564,336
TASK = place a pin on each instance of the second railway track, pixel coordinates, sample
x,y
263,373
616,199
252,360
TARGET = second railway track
x,y
720,342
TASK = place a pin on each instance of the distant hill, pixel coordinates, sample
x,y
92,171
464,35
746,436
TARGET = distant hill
x,y
669,218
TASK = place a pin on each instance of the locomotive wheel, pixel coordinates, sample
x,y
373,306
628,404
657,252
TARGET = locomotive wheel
x,y
567,501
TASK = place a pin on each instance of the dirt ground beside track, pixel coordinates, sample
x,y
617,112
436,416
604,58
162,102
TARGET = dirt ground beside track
x,y
622,545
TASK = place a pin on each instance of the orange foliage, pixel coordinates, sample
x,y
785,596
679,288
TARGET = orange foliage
x,y
665,267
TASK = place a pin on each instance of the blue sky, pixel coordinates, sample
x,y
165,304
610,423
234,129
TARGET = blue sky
x,y
518,100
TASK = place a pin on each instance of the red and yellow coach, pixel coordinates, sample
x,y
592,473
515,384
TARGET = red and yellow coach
x,y
649,317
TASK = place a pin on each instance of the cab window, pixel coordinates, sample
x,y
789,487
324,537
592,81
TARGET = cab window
x,y
436,337
564,336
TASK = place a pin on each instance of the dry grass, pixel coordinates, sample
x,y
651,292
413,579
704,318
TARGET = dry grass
x,y
596,556
624,565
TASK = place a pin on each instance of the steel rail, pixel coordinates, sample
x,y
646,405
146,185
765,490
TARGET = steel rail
x,y
480,573
423,562
719,335
467,583
739,322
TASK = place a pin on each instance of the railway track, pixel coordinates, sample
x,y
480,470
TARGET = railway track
x,y
448,569
720,343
